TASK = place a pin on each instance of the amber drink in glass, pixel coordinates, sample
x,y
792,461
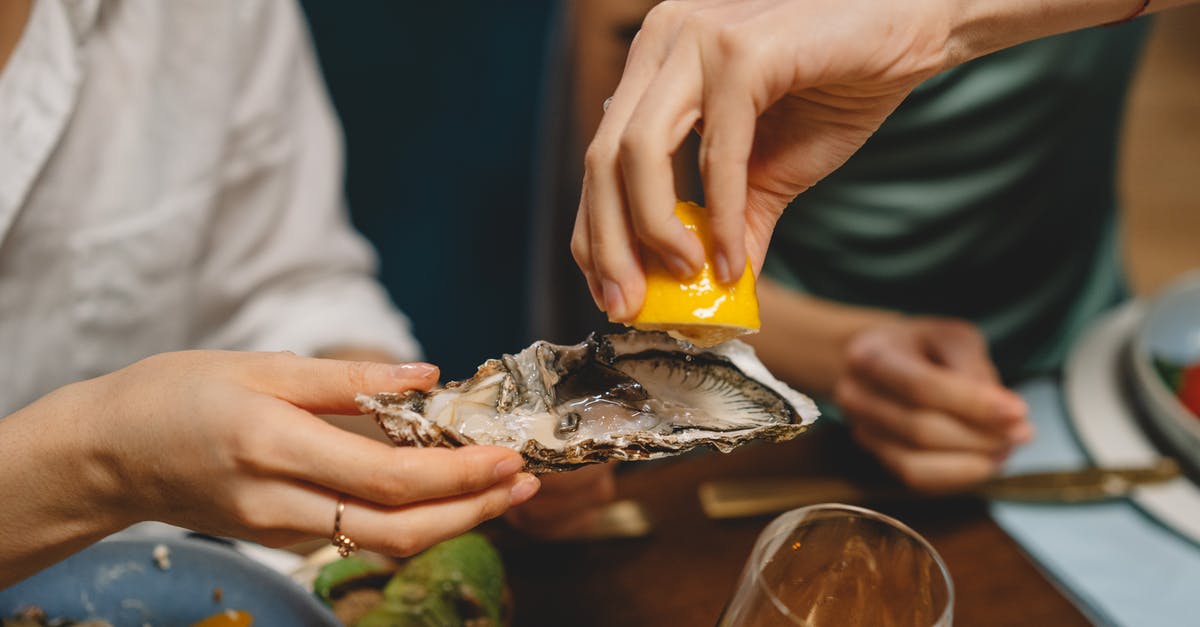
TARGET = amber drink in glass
x,y
841,565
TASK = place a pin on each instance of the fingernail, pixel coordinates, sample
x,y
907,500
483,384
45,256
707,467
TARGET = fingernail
x,y
721,268
614,300
524,490
415,371
679,267
509,466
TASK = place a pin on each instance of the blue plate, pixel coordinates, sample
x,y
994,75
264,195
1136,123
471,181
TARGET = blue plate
x,y
118,580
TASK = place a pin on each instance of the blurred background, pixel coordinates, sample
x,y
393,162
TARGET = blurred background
x,y
466,124
1160,154
439,102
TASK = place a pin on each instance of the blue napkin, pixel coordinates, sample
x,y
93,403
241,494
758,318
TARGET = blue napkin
x,y
1119,565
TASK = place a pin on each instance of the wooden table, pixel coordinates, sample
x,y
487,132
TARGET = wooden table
x,y
685,572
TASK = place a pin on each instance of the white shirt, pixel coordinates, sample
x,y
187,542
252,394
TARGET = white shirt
x,y
170,178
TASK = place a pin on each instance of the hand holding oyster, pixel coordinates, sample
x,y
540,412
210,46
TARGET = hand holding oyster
x,y
630,396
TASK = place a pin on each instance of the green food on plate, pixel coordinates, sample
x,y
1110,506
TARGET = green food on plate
x,y
457,583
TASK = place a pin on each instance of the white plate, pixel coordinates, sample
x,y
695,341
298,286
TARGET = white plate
x,y
1104,419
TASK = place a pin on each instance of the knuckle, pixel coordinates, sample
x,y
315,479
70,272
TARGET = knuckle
x,y
160,362
491,505
467,479
636,43
702,23
358,375
248,448
610,262
396,483
400,544
579,251
664,16
716,154
863,353
731,41
599,155
277,359
643,146
389,488
653,229
248,513
608,266
260,368
731,221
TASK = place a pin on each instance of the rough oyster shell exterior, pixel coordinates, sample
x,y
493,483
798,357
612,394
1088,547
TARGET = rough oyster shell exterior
x,y
657,397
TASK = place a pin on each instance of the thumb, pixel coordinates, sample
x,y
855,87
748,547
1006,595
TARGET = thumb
x,y
329,386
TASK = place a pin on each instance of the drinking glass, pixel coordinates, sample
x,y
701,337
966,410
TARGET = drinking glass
x,y
834,564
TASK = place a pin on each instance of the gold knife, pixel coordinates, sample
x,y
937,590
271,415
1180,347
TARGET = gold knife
x,y
733,498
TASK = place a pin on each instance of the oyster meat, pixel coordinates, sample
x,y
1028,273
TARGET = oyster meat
x,y
628,396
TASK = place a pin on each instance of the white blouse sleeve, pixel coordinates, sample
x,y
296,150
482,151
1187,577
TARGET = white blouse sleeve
x,y
283,269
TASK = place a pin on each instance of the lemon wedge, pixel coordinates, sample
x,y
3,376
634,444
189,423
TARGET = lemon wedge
x,y
701,310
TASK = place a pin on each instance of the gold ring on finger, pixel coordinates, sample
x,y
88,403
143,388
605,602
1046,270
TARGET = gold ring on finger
x,y
345,546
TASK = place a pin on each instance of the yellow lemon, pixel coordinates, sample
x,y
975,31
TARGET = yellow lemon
x,y
701,310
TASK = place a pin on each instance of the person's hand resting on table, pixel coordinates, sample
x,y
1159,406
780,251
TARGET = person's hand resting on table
x,y
227,443
923,396
921,393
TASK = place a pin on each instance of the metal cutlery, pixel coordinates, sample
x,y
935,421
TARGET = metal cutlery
x,y
733,498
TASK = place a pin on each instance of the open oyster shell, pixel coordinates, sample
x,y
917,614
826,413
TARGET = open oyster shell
x,y
629,396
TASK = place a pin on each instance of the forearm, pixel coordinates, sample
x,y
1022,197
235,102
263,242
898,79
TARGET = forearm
x,y
803,338
982,26
60,493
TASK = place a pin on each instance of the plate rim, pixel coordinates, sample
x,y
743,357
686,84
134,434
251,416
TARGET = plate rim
x,y
1111,434
312,607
